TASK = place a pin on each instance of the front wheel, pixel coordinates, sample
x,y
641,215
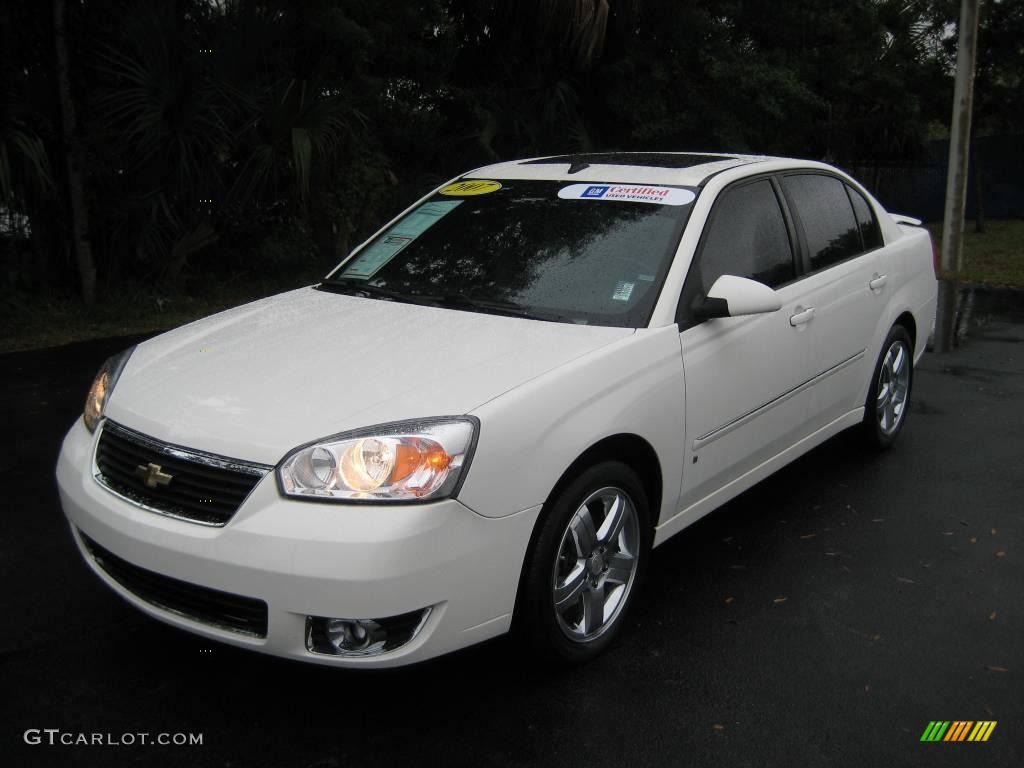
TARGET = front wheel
x,y
586,564
885,411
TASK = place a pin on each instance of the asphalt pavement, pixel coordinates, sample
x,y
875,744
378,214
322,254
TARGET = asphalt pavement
x,y
823,618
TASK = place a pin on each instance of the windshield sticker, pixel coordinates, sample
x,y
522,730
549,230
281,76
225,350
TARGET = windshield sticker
x,y
378,253
623,291
633,193
471,187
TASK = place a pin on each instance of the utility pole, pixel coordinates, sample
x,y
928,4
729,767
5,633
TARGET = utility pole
x,y
951,257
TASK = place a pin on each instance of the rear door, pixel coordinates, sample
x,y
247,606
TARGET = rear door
x,y
744,402
844,289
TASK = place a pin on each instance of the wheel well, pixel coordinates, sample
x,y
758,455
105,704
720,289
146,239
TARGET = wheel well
x,y
633,451
907,321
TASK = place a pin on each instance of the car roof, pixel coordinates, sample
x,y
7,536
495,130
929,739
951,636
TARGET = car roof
x,y
688,169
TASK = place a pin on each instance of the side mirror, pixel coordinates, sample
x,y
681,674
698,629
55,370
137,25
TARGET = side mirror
x,y
733,296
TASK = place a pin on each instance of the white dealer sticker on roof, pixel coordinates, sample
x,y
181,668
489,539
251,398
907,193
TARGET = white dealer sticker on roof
x,y
632,193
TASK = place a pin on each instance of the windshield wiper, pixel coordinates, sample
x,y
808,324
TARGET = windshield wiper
x,y
488,306
358,286
456,300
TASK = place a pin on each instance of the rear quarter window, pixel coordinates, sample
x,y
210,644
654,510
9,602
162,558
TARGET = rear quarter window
x,y
870,232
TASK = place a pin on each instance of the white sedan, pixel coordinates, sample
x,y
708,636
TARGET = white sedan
x,y
486,417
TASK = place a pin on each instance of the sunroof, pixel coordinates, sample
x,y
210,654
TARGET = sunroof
x,y
651,159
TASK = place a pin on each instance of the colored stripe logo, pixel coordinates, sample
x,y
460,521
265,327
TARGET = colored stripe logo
x,y
958,730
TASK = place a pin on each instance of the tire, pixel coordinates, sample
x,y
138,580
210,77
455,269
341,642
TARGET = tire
x,y
885,410
589,567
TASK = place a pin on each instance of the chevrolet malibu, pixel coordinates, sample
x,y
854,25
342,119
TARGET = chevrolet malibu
x,y
485,418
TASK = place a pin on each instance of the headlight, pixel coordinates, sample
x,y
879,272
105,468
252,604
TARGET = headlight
x,y
408,461
102,386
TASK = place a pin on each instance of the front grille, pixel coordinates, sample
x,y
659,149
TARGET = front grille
x,y
191,485
235,613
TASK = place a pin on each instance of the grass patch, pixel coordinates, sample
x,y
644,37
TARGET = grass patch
x,y
994,257
34,322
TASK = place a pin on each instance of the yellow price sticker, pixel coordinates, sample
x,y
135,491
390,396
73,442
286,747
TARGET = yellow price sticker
x,y
471,187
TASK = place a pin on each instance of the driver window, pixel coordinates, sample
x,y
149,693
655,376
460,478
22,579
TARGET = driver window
x,y
746,236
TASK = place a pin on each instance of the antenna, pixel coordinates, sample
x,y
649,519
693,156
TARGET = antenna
x,y
576,164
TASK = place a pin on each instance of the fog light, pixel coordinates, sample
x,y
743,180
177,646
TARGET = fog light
x,y
362,637
350,636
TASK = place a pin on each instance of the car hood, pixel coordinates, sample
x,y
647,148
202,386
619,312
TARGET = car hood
x,y
258,380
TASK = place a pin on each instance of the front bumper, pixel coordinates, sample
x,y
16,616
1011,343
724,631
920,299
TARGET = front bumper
x,y
314,559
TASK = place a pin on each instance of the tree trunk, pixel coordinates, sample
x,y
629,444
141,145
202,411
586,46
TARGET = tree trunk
x,y
979,208
73,155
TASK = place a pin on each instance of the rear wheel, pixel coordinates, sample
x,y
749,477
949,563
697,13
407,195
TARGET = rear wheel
x,y
586,564
885,410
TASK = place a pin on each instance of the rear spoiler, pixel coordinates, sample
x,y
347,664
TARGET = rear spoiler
x,y
901,219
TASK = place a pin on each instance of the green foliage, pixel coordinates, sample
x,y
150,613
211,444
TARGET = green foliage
x,y
224,139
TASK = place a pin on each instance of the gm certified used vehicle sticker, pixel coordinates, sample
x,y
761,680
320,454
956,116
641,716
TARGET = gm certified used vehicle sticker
x,y
471,187
633,193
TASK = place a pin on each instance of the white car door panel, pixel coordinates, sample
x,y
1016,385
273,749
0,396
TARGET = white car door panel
x,y
846,313
746,397
745,377
846,286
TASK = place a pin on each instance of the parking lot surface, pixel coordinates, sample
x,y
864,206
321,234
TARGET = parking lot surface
x,y
823,618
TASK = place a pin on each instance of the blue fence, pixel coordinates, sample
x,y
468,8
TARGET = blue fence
x,y
919,189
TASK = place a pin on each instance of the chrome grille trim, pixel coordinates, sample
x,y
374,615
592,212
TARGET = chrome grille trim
x,y
230,488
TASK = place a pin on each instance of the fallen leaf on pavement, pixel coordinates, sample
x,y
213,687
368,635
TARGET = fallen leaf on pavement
x,y
779,600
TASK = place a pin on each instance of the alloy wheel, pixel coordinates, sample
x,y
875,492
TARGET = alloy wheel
x,y
893,388
596,564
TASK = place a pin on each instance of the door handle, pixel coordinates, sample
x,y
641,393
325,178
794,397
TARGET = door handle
x,y
801,317
877,282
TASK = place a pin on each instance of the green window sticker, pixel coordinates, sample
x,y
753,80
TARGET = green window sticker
x,y
389,244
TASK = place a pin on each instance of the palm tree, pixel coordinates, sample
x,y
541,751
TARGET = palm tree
x,y
74,156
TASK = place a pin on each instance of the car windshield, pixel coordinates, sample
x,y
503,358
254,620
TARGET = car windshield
x,y
578,253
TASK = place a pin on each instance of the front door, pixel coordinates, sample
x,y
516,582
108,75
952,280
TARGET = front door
x,y
745,377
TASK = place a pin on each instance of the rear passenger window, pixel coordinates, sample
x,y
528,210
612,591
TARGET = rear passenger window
x,y
747,237
869,231
827,217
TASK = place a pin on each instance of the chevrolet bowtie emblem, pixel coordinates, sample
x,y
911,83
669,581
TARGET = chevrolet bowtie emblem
x,y
153,475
